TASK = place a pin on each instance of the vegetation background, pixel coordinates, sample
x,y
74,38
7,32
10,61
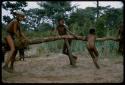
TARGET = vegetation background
x,y
41,22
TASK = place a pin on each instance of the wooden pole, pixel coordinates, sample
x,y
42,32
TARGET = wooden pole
x,y
72,60
54,38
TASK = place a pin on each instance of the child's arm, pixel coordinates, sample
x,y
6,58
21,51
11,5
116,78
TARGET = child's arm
x,y
15,29
23,36
66,27
56,31
86,38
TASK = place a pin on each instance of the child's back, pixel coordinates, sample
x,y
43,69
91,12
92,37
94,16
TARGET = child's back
x,y
91,39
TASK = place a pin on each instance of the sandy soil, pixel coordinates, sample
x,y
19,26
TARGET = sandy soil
x,y
55,68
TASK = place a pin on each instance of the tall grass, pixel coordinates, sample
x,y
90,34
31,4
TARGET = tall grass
x,y
105,48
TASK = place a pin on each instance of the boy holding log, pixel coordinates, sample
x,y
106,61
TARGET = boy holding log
x,y
14,32
63,30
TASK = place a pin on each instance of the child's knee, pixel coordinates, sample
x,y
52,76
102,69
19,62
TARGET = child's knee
x,y
13,50
64,52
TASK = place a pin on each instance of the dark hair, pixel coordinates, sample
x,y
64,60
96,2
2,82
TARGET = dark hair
x,y
92,31
14,13
60,19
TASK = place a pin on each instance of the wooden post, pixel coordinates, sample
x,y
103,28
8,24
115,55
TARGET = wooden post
x,y
72,60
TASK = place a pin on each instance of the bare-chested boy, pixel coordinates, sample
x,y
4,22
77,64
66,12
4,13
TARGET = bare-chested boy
x,y
91,46
14,31
63,30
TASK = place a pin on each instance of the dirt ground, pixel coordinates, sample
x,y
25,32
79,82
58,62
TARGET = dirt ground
x,y
55,68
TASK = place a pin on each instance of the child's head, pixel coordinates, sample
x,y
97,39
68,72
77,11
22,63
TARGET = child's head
x,y
92,31
61,21
20,15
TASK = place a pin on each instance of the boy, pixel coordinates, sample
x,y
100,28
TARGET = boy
x,y
91,46
62,30
13,32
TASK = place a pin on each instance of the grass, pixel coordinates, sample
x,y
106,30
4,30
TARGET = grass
x,y
105,48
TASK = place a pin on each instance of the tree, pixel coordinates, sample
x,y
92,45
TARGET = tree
x,y
82,19
55,9
97,9
11,6
34,17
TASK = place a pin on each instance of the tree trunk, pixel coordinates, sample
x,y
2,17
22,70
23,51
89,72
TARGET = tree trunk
x,y
54,38
97,9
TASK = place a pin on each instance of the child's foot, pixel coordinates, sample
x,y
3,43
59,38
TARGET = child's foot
x,y
75,57
5,67
20,59
73,63
10,70
23,58
97,66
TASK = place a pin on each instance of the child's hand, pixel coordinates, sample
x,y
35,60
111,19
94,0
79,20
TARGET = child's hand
x,y
75,36
26,40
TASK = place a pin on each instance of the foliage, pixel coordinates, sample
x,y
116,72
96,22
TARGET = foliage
x,y
79,21
11,6
56,9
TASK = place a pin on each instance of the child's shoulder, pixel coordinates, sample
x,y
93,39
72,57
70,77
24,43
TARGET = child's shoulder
x,y
91,35
14,21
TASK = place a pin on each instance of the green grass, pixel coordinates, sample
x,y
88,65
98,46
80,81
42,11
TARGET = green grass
x,y
105,48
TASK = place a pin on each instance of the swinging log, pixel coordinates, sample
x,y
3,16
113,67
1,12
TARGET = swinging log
x,y
54,38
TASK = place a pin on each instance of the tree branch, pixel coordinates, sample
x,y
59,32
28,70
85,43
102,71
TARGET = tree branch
x,y
54,38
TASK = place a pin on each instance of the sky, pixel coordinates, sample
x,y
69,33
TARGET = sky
x,y
81,4
84,4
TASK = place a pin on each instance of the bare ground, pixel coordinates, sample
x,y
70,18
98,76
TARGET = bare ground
x,y
55,68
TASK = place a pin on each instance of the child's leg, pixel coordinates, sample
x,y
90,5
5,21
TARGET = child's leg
x,y
72,60
96,52
3,54
12,60
65,48
94,58
21,54
10,43
70,41
91,53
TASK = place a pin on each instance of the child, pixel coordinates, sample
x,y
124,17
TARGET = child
x,y
63,30
91,46
13,32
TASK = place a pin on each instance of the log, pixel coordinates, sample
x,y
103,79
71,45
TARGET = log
x,y
108,38
54,38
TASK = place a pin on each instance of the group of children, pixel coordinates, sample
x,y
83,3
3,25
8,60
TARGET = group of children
x,y
62,30
14,31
